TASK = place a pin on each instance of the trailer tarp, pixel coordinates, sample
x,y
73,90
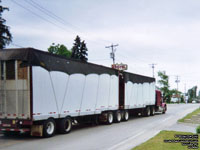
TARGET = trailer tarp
x,y
135,78
53,62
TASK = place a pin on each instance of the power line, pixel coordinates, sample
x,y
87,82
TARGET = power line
x,y
49,13
99,59
17,45
127,56
112,54
37,14
59,19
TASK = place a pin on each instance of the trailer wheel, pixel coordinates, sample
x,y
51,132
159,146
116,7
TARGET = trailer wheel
x,y
110,118
126,116
152,111
49,127
147,112
65,125
96,120
118,116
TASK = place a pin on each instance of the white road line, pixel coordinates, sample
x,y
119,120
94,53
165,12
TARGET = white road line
x,y
166,119
138,134
125,141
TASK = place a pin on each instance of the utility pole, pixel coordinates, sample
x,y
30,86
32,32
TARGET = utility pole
x,y
185,88
112,54
153,67
185,93
177,81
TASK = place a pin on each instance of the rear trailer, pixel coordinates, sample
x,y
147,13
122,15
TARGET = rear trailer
x,y
41,92
15,103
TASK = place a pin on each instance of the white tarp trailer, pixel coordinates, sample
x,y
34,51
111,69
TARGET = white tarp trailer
x,y
40,92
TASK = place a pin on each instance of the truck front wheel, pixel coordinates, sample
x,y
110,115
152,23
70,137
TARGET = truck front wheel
x,y
164,110
49,127
65,125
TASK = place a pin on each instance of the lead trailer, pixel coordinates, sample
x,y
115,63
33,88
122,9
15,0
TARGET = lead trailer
x,y
41,92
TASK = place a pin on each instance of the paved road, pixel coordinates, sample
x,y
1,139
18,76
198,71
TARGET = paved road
x,y
124,135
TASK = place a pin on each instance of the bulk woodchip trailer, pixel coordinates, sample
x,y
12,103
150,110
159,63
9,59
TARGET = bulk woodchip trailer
x,y
41,92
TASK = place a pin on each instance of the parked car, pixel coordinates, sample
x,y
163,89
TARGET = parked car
x,y
193,102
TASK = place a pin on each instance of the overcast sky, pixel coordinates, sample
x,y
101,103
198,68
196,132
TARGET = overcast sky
x,y
165,32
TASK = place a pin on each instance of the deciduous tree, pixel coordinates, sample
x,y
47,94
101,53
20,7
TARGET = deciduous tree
x,y
164,85
60,50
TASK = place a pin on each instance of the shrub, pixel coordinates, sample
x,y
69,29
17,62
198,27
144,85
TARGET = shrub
x,y
198,130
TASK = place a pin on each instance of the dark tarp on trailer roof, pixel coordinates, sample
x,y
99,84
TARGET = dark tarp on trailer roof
x,y
53,62
135,78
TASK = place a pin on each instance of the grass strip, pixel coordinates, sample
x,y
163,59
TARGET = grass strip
x,y
157,142
189,116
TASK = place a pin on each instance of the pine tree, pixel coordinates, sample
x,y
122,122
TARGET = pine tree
x,y
76,48
79,50
5,35
83,52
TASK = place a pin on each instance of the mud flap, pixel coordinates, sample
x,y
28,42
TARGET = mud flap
x,y
37,130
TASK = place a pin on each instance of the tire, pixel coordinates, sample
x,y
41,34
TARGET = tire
x,y
147,112
65,125
126,116
118,116
49,127
164,110
152,111
110,118
96,120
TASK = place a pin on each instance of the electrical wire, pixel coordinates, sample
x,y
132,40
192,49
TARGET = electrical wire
x,y
17,45
55,17
37,15
49,13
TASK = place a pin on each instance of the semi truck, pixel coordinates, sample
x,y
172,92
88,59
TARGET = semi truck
x,y
42,93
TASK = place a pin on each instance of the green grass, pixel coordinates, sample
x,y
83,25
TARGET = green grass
x,y
189,116
157,142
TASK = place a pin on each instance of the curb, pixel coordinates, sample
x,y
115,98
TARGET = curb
x,y
188,124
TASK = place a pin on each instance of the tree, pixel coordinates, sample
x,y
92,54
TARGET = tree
x,y
192,93
60,50
5,35
76,48
79,50
176,94
83,52
164,83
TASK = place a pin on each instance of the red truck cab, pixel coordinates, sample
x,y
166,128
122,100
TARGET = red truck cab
x,y
160,105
